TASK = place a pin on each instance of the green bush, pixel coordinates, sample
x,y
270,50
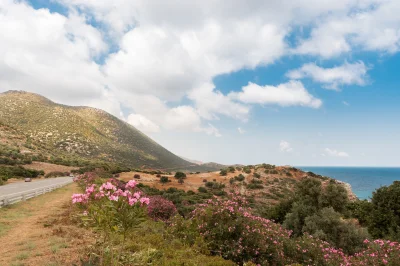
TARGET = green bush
x,y
239,178
56,174
328,225
164,179
180,175
384,217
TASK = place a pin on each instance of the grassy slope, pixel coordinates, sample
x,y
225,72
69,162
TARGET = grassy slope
x,y
82,132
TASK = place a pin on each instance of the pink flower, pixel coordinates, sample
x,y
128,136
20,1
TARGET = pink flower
x,y
113,198
107,186
90,190
132,201
145,201
131,184
79,198
136,195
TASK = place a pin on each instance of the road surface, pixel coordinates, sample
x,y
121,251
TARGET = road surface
x,y
20,187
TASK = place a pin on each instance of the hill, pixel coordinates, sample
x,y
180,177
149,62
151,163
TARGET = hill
x,y
41,127
265,183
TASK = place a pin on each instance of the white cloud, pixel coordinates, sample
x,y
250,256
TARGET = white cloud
x,y
241,131
291,93
284,146
167,53
185,118
142,123
336,153
346,103
50,54
371,27
210,103
332,78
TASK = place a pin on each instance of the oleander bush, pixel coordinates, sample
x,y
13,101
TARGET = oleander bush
x,y
160,208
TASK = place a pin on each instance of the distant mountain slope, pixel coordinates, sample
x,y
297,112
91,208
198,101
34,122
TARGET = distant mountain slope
x,y
82,132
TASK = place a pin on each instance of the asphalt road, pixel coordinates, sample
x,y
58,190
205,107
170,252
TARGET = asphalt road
x,y
26,186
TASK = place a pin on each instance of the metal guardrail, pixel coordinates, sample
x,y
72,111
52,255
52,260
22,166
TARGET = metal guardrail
x,y
22,196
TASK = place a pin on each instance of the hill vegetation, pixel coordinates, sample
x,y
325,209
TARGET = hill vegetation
x,y
316,230
76,136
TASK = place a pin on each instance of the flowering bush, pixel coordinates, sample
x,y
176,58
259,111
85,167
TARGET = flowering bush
x,y
111,209
233,232
161,208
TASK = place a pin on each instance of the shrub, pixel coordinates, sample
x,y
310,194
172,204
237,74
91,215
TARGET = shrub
x,y
231,169
160,208
105,201
239,177
202,190
164,179
180,181
204,180
327,225
256,175
209,184
223,172
136,176
247,170
384,218
235,234
180,175
56,174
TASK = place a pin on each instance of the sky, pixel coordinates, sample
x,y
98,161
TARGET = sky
x,y
286,82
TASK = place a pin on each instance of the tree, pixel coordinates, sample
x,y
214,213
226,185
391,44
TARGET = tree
x,y
164,179
328,225
179,175
384,219
180,181
335,196
223,172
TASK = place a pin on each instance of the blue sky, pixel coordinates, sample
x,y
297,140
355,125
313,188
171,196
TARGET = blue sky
x,y
306,83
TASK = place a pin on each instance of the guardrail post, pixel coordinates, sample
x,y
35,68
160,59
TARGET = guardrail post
x,y
5,201
23,197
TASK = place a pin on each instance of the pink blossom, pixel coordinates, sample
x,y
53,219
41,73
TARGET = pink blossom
x,y
131,184
145,201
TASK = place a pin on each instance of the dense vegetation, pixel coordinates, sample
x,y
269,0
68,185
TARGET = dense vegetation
x,y
311,228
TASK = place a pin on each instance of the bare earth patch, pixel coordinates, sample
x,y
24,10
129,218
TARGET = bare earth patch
x,y
39,231
49,167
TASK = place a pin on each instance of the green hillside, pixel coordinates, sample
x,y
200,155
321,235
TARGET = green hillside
x,y
82,133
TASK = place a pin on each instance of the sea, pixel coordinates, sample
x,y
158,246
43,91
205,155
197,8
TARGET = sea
x,y
363,180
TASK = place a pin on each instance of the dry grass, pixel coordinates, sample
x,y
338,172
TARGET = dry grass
x,y
39,231
49,167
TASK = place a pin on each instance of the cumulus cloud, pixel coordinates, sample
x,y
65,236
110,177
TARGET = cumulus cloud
x,y
50,54
185,118
374,26
241,131
284,146
291,93
332,78
210,103
163,64
142,123
335,153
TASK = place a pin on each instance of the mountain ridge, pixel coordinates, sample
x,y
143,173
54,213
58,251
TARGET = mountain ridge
x,y
81,131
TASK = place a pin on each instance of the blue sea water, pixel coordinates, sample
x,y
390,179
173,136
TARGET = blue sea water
x,y
363,180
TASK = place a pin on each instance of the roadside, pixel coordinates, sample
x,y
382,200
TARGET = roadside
x,y
39,231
